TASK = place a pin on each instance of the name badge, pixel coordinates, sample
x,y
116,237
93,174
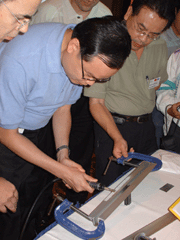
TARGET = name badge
x,y
153,82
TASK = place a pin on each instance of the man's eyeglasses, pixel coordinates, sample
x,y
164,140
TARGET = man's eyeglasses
x,y
151,36
21,22
93,79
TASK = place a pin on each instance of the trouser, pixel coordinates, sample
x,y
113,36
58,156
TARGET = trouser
x,y
29,181
158,120
140,136
81,142
175,132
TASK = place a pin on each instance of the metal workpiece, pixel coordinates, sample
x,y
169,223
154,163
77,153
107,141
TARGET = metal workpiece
x,y
152,227
75,209
142,236
106,207
112,201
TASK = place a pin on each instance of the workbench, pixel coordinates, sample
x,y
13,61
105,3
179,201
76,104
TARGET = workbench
x,y
149,202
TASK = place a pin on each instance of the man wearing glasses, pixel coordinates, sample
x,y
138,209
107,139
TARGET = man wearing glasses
x,y
81,140
122,107
42,74
15,17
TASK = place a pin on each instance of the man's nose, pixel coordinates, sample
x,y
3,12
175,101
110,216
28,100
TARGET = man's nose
x,y
24,29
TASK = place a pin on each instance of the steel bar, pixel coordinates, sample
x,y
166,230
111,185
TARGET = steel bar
x,y
105,208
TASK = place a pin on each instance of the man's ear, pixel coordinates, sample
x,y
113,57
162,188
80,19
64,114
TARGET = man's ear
x,y
128,13
73,45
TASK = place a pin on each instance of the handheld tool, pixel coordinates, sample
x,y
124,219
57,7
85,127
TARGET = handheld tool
x,y
109,204
100,187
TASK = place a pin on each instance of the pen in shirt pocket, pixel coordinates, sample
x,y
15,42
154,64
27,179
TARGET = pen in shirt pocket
x,y
147,79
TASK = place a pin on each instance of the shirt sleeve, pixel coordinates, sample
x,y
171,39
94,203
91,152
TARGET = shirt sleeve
x,y
167,93
45,13
164,59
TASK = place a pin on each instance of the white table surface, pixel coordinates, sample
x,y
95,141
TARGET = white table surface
x,y
148,204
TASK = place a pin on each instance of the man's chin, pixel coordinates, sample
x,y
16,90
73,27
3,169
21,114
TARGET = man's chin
x,y
135,46
86,8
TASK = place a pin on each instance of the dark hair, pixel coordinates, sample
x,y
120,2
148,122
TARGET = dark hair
x,y
177,5
104,37
164,8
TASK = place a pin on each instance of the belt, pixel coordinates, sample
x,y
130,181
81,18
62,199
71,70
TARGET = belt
x,y
120,119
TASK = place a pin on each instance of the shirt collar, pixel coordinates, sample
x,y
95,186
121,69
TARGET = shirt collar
x,y
53,48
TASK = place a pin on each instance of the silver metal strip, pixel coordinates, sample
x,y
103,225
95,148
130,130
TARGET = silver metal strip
x,y
153,227
105,208
75,209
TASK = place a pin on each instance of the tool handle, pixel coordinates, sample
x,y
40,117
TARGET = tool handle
x,y
96,185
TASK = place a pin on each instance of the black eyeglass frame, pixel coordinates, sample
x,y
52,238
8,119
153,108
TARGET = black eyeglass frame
x,y
92,79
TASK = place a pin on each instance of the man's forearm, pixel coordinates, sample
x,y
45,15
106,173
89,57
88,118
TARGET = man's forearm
x,y
61,129
69,171
104,118
164,98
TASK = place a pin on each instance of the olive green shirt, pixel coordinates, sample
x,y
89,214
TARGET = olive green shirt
x,y
127,92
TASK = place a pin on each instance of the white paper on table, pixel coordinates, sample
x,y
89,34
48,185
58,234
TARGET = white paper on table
x,y
170,161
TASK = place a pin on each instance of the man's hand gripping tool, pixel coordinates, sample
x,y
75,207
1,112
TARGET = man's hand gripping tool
x,y
66,208
125,161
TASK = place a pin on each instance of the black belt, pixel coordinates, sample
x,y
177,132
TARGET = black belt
x,y
120,119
